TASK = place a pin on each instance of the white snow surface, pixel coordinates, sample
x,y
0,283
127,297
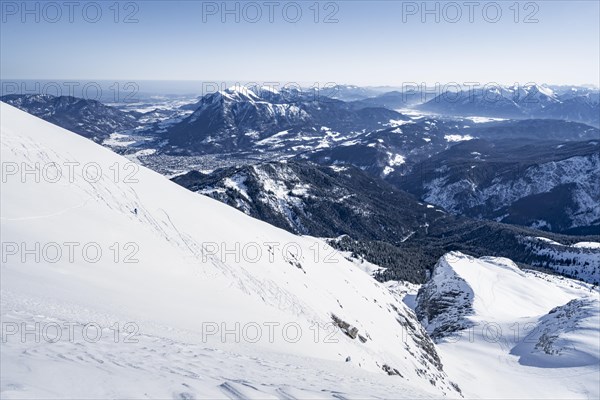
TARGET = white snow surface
x,y
483,120
587,245
187,281
458,138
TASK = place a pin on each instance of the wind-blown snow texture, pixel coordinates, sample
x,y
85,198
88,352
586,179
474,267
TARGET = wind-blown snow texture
x,y
179,288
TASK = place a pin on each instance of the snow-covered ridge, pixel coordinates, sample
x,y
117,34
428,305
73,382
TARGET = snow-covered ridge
x,y
507,333
567,336
518,101
185,276
499,287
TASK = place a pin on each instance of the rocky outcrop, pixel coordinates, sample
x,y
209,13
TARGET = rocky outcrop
x,y
445,301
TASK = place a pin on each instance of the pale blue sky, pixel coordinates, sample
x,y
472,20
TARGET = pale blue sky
x,y
369,45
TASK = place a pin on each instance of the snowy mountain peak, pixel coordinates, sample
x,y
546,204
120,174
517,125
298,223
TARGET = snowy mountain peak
x,y
240,92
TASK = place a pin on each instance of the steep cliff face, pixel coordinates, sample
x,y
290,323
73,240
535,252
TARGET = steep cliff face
x,y
445,301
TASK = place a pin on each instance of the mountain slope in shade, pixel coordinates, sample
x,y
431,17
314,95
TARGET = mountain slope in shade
x,y
311,199
509,333
393,151
535,129
579,260
89,118
551,186
561,338
178,276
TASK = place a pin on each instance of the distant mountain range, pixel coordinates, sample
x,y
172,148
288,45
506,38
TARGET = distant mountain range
x,y
536,173
396,99
394,150
553,186
533,101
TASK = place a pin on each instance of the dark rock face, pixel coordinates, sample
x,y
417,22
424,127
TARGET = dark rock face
x,y
346,328
391,371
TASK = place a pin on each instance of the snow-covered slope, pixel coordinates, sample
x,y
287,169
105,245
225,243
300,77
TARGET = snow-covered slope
x,y
507,333
221,304
562,337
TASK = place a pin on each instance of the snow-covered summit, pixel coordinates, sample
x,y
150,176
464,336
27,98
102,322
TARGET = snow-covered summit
x,y
240,92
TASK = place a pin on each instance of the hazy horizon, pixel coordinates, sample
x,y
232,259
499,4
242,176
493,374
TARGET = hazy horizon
x,y
88,88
